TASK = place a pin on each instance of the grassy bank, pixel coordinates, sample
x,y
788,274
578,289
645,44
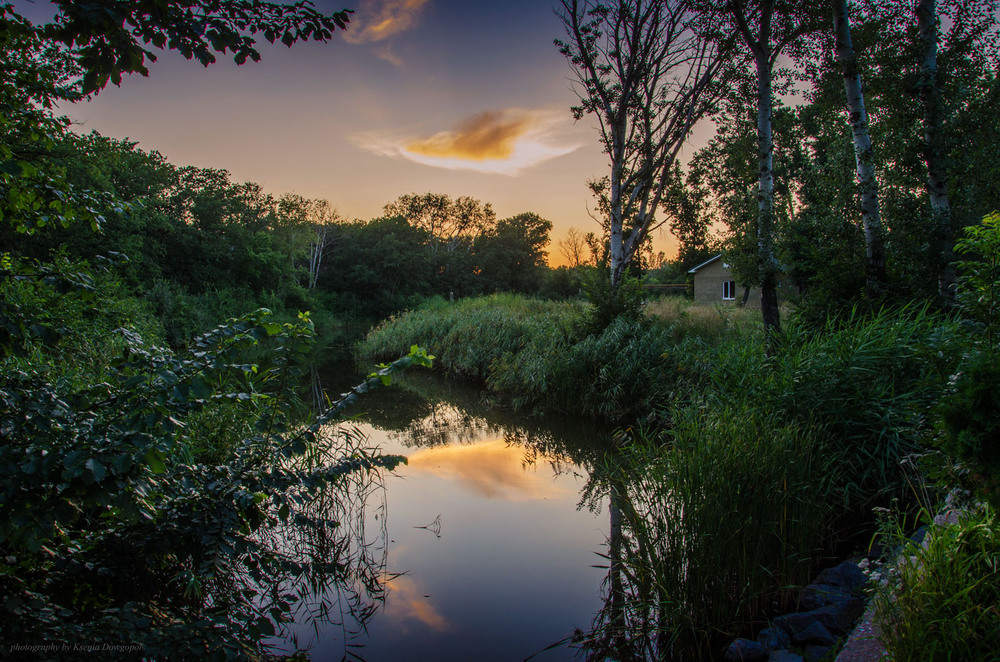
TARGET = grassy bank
x,y
774,461
542,356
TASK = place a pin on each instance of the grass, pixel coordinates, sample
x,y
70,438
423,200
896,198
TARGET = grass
x,y
946,606
708,322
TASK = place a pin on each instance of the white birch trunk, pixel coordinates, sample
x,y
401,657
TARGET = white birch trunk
x,y
871,219
765,199
937,174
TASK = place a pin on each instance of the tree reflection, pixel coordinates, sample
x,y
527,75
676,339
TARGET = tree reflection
x,y
630,626
334,547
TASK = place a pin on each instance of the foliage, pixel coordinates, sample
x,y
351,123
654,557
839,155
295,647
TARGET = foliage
x,y
113,528
979,278
104,36
944,606
609,302
968,417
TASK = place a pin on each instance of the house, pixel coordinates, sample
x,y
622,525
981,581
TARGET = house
x,y
714,283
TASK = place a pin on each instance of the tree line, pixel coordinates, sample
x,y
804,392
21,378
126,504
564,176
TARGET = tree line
x,y
853,141
178,232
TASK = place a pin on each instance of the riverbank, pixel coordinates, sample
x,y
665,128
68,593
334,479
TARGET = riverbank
x,y
776,461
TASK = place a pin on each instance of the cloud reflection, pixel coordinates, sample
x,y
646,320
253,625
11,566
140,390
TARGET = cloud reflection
x,y
407,602
491,469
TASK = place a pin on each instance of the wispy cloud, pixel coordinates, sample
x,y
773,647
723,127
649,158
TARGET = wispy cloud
x,y
504,142
377,20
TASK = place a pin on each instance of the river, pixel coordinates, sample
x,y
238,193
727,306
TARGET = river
x,y
482,547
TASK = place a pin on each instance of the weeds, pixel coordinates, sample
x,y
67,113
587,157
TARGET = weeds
x,y
945,606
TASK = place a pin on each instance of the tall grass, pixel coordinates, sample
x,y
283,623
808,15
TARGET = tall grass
x,y
469,335
769,463
707,322
543,355
726,523
947,604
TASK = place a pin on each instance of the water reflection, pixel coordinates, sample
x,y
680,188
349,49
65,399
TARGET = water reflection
x,y
335,543
480,550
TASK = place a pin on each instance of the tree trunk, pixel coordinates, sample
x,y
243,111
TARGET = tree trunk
x,y
875,277
937,171
768,263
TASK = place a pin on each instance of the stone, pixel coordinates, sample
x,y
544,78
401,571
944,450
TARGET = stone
x,y
773,638
744,650
835,618
784,655
815,634
815,596
847,575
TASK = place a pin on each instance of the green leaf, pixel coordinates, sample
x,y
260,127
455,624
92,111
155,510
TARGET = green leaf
x,y
96,469
265,626
155,461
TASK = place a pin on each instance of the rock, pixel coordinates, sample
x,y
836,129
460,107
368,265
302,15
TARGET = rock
x,y
815,596
918,536
784,656
773,638
815,634
835,618
816,653
744,650
847,576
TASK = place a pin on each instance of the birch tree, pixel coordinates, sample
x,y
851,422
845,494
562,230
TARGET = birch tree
x,y
875,275
647,75
766,33
934,154
321,218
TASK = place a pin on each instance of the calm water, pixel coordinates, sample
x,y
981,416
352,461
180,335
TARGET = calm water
x,y
474,550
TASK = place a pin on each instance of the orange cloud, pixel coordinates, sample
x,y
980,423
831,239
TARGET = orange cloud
x,y
503,141
492,469
377,20
483,137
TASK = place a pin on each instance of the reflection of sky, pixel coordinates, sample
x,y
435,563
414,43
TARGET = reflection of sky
x,y
490,469
512,571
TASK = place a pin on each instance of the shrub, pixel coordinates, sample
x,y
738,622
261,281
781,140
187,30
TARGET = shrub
x,y
969,419
114,529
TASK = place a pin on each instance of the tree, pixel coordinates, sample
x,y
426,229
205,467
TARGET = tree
x,y
512,255
934,154
105,35
766,30
875,275
444,218
572,247
648,75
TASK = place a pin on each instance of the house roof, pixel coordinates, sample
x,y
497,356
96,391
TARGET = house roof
x,y
705,263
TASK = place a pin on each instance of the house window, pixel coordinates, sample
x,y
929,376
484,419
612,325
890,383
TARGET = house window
x,y
728,290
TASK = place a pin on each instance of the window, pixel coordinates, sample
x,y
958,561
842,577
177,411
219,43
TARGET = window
x,y
728,290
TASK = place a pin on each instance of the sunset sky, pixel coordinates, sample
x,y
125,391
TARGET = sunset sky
x,y
464,97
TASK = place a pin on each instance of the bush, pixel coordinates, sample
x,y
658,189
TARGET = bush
x,y
969,418
118,524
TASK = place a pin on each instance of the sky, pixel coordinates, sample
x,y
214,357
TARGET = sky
x,y
463,97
